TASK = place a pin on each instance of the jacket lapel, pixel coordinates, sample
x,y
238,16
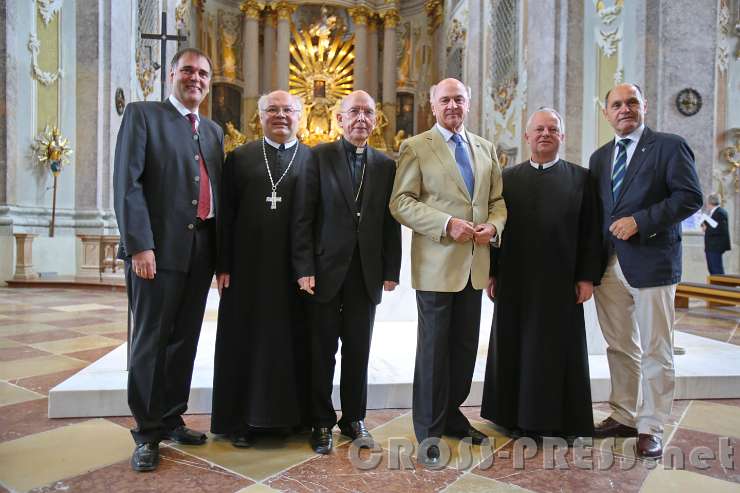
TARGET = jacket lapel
x,y
479,163
639,157
344,181
445,157
368,179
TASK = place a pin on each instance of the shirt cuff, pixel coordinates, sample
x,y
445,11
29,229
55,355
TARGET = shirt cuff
x,y
444,231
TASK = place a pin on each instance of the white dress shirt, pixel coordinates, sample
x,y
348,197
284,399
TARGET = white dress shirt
x,y
635,138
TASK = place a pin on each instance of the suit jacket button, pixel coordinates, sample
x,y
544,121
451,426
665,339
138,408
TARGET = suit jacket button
x,y
197,157
194,202
191,226
197,179
195,136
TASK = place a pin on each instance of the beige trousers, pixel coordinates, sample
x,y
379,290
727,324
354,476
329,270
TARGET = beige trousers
x,y
637,324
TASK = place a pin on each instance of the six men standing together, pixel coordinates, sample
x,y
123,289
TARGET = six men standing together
x,y
303,242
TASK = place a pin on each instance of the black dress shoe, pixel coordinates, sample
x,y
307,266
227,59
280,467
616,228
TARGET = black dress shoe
x,y
242,439
355,430
476,436
185,436
145,457
649,446
321,440
431,458
613,428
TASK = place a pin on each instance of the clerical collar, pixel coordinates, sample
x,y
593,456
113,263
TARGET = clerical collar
x,y
351,148
447,134
182,109
545,165
634,136
276,145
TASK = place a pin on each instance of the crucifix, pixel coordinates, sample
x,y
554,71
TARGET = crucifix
x,y
164,37
273,199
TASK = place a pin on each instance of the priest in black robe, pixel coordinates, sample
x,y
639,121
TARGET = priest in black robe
x,y
537,379
260,355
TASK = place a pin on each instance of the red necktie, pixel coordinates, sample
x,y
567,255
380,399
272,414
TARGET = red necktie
x,y
204,195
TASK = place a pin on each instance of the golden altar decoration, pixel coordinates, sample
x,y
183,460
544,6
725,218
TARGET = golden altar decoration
x,y
321,74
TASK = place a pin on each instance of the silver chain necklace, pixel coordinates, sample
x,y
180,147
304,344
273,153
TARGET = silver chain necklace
x,y
273,198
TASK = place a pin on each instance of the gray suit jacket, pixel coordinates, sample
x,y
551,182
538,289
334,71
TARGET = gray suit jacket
x,y
156,180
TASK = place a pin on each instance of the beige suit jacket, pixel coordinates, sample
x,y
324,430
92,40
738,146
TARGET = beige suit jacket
x,y
428,189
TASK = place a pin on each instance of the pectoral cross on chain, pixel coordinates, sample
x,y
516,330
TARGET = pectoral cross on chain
x,y
273,199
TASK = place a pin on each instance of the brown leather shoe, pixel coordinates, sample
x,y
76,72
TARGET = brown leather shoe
x,y
649,446
613,428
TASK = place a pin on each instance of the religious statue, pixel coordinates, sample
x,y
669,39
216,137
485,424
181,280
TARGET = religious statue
x,y
233,138
404,66
377,137
732,156
398,138
255,126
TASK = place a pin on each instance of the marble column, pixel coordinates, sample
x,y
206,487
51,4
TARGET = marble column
x,y
250,50
268,51
284,11
434,9
360,16
196,21
92,106
372,57
390,21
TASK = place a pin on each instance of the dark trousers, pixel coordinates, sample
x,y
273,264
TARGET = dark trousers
x,y
167,316
714,262
348,316
446,347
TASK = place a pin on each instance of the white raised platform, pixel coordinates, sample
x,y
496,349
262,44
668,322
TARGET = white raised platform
x,y
710,369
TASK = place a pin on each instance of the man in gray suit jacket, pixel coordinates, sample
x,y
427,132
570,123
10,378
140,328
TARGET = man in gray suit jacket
x,y
166,180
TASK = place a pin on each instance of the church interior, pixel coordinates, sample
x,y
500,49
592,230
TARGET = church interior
x,y
69,67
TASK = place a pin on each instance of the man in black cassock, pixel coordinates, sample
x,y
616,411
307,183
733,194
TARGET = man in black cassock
x,y
537,379
346,252
259,358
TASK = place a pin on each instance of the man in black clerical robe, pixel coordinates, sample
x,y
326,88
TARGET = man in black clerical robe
x,y
537,379
259,356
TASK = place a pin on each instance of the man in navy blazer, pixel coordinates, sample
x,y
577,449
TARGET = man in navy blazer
x,y
647,184
166,178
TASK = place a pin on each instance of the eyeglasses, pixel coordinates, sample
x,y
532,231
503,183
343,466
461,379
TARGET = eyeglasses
x,y
356,112
274,110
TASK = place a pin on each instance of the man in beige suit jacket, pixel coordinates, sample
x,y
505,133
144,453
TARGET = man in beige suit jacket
x,y
448,191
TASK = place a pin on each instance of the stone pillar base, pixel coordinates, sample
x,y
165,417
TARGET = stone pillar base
x,y
89,266
24,257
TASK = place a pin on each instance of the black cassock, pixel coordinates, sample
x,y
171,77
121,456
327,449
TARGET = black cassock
x,y
537,376
261,350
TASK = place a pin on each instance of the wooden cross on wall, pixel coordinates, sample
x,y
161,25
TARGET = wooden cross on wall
x,y
164,37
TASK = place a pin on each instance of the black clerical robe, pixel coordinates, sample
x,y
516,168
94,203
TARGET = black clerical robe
x,y
537,376
260,355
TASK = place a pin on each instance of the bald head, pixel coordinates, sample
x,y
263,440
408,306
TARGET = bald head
x,y
280,113
450,101
357,117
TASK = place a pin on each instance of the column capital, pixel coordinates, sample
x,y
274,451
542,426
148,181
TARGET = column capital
x,y
434,9
372,22
252,8
360,15
390,18
284,10
200,5
269,16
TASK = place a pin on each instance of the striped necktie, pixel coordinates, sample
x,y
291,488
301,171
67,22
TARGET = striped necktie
x,y
620,166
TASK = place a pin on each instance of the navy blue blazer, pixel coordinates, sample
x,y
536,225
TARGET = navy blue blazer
x,y
660,189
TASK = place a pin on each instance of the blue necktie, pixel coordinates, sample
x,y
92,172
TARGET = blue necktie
x,y
463,163
620,166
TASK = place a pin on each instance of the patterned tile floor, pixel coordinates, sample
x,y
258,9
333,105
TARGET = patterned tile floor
x,y
46,335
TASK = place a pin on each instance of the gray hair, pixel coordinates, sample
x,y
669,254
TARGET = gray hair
x,y
714,199
262,102
546,109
